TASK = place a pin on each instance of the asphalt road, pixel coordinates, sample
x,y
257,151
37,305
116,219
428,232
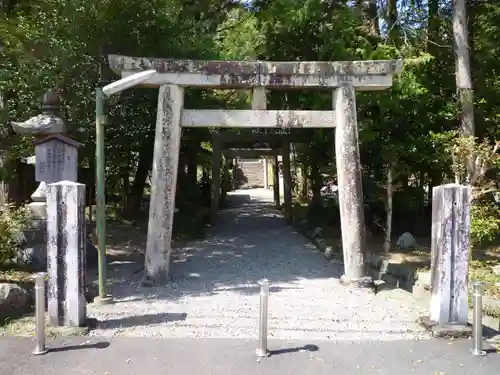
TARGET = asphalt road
x,y
148,356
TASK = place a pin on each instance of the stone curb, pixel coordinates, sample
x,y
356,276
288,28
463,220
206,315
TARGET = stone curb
x,y
319,243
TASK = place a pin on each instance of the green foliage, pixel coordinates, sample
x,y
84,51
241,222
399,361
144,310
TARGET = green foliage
x,y
485,223
13,221
409,128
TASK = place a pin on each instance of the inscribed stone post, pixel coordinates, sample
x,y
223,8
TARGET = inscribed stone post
x,y
450,254
66,253
163,183
350,188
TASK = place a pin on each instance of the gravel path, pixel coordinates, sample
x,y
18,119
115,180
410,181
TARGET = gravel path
x,y
214,291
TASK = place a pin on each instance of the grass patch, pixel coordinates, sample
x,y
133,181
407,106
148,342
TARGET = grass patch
x,y
26,327
15,276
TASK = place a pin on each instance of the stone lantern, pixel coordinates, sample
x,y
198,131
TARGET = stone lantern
x,y
47,128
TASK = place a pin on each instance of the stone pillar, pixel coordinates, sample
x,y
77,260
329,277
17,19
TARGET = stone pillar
x,y
302,190
276,181
66,253
163,184
259,98
450,254
350,188
266,172
287,180
216,176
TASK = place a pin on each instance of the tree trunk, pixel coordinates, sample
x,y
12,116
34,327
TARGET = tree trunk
x,y
141,174
125,176
388,208
316,182
192,162
392,21
463,73
303,183
433,26
4,186
370,15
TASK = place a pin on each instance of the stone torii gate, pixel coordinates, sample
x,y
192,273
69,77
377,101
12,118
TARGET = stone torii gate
x,y
343,78
275,139
266,154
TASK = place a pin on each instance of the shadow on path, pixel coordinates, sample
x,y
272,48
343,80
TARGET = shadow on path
x,y
97,345
136,320
249,242
304,348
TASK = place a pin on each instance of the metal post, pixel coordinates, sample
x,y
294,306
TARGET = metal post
x,y
477,318
100,197
264,295
40,313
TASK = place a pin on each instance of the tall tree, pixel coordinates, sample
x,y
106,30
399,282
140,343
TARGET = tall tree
x,y
463,74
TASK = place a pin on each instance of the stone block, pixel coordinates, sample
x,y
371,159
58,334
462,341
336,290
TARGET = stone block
x,y
66,244
450,254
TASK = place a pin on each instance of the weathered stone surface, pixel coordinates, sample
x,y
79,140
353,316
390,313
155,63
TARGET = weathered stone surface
x,y
204,72
40,124
406,241
349,184
446,330
56,159
135,64
164,182
331,68
363,74
450,254
321,68
258,118
66,257
14,300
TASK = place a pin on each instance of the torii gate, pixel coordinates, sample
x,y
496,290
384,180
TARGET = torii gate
x,y
343,78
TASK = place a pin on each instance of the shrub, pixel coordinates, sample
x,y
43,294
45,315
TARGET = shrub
x,y
13,222
485,223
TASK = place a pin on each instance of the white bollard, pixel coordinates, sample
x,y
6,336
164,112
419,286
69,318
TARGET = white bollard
x,y
264,296
40,314
477,319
